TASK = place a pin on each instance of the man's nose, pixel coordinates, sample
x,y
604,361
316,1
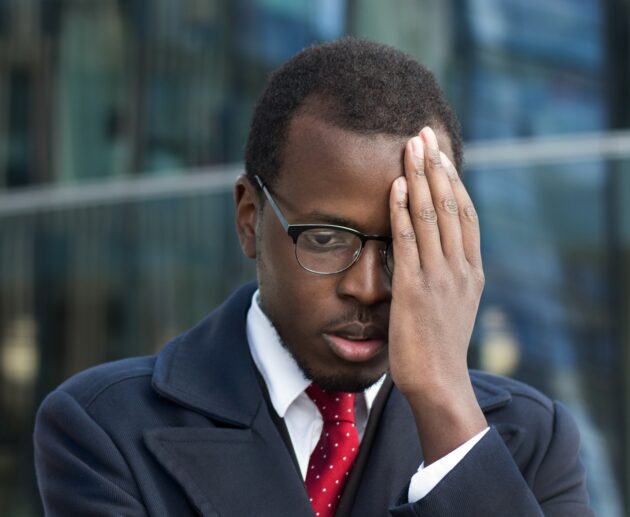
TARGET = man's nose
x,y
367,280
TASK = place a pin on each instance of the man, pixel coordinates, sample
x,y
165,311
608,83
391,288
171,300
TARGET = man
x,y
338,385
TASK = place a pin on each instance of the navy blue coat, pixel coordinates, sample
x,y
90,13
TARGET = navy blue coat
x,y
190,432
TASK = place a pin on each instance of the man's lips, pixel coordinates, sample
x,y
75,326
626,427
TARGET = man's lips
x,y
356,342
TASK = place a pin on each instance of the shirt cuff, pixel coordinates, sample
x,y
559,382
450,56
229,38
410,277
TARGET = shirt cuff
x,y
427,478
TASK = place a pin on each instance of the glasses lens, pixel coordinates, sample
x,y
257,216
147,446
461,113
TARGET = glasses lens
x,y
389,258
327,250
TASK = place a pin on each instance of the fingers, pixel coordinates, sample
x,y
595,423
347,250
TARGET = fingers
x,y
440,211
446,207
423,216
468,219
403,233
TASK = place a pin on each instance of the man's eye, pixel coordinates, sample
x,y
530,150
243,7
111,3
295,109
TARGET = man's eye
x,y
324,240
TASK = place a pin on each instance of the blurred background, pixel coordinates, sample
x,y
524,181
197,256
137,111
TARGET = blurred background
x,y
122,127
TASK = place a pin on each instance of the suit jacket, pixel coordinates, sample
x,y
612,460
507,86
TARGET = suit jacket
x,y
190,432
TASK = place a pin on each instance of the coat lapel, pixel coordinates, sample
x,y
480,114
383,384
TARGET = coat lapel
x,y
238,463
228,471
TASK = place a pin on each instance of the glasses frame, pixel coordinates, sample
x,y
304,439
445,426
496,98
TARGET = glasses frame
x,y
294,231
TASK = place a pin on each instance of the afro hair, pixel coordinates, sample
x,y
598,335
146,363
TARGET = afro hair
x,y
362,86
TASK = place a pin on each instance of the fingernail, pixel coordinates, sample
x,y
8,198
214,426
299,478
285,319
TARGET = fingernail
x,y
429,137
418,147
449,167
401,185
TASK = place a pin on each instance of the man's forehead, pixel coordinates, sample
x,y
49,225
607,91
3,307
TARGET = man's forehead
x,y
343,174
316,147
313,126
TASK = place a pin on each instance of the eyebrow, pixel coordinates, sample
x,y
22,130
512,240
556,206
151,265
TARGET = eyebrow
x,y
325,217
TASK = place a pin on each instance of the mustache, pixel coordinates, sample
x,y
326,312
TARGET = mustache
x,y
363,316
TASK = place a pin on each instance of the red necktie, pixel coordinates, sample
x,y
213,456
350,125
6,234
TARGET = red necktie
x,y
334,454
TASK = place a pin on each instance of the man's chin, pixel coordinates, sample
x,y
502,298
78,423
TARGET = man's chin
x,y
354,383
346,385
353,378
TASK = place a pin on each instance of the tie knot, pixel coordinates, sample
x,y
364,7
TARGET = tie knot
x,y
335,406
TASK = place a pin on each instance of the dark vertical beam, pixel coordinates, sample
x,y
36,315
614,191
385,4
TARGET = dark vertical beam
x,y
20,171
139,19
617,39
351,10
463,67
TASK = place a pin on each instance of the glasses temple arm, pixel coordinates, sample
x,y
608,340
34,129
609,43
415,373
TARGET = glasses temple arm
x,y
273,204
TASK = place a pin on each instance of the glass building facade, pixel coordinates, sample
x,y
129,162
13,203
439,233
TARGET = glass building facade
x,y
122,128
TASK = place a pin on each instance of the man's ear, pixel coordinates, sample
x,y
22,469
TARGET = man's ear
x,y
246,200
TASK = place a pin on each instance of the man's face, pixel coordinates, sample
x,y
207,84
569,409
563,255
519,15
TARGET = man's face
x,y
335,326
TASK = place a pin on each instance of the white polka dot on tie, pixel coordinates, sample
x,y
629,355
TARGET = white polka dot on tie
x,y
352,449
344,458
324,455
336,445
317,477
312,467
329,505
336,416
337,399
323,407
349,410
323,489
347,434
336,482
310,499
330,466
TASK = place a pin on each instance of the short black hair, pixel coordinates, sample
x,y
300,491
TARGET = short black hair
x,y
365,87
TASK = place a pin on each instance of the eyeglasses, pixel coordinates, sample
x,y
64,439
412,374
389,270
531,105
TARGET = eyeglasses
x,y
327,249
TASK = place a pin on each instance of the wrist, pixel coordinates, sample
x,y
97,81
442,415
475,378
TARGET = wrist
x,y
445,419
446,382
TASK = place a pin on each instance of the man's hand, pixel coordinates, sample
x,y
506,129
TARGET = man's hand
x,y
436,287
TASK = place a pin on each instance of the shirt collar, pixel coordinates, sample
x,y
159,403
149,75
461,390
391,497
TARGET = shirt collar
x,y
283,377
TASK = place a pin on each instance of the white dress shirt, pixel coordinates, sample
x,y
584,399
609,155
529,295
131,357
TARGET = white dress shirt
x,y
286,384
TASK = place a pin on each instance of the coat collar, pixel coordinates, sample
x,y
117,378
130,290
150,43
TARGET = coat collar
x,y
209,368
489,396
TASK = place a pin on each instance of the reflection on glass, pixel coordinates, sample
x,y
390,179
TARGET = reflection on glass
x,y
19,359
499,350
